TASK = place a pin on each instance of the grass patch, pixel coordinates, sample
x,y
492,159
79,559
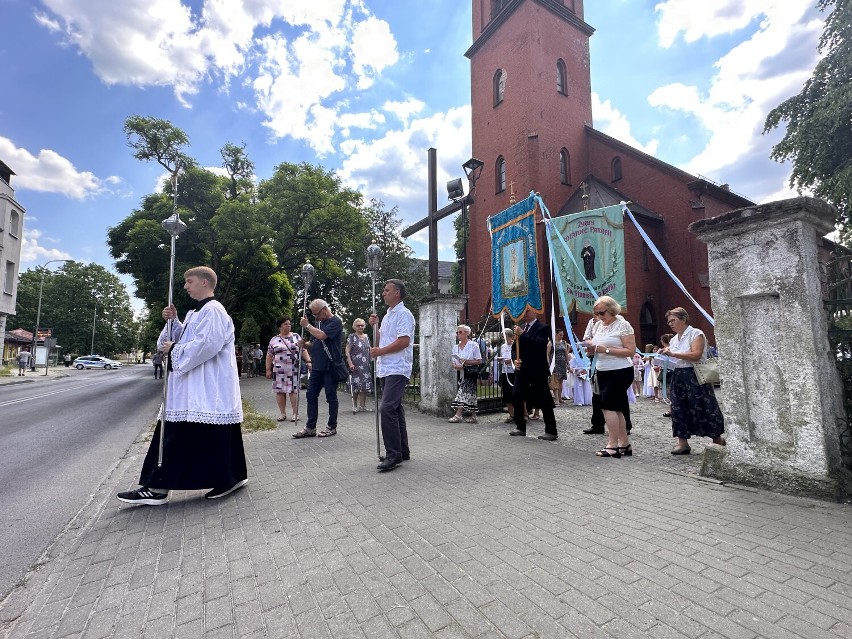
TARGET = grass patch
x,y
254,421
5,371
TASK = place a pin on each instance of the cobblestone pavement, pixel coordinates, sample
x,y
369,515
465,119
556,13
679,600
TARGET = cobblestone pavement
x,y
479,535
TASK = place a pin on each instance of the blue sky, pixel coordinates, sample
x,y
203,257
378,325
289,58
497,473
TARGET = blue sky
x,y
360,86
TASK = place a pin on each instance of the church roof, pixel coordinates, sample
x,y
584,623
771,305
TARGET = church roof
x,y
693,182
602,194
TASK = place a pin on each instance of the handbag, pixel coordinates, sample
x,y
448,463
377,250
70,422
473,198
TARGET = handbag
x,y
471,371
707,372
341,370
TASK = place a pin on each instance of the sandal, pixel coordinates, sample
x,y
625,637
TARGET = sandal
x,y
294,418
720,441
455,419
668,413
509,420
281,418
627,451
605,452
471,420
682,451
305,432
328,432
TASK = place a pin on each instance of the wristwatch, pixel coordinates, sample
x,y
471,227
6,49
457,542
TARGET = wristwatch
x,y
606,351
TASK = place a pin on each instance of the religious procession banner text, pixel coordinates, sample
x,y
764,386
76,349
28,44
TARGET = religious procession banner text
x,y
596,241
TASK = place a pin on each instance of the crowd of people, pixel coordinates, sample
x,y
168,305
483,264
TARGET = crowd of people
x,y
534,367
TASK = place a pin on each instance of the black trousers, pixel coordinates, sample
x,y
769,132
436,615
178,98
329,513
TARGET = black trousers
x,y
394,431
532,389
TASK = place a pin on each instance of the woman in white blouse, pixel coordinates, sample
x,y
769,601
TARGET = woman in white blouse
x,y
613,343
695,410
465,353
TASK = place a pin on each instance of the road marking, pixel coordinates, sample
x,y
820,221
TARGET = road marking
x,y
56,392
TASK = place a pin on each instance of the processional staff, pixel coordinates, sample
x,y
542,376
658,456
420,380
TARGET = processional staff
x,y
174,226
307,279
374,265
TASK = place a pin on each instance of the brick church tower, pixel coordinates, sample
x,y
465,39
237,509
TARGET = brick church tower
x,y
532,127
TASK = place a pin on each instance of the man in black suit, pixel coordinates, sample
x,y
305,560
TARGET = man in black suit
x,y
531,375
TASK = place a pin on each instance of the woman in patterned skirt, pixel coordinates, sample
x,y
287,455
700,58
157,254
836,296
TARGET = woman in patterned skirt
x,y
282,367
465,353
358,359
695,410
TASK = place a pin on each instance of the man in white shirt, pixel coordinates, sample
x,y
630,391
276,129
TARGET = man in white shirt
x,y
394,360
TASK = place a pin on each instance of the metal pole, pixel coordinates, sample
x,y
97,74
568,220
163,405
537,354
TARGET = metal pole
x,y
94,319
174,226
307,279
38,311
375,369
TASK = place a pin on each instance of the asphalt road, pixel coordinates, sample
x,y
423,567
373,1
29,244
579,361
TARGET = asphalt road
x,y
59,439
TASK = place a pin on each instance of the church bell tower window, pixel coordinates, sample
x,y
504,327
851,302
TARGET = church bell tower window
x,y
500,174
499,86
561,78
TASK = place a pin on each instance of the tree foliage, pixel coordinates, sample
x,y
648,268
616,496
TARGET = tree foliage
x,y
256,236
818,138
69,297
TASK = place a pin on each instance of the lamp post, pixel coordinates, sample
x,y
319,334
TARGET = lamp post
x,y
455,191
374,265
94,319
174,226
308,273
38,311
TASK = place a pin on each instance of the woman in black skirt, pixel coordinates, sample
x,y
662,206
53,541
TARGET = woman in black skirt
x,y
613,344
694,410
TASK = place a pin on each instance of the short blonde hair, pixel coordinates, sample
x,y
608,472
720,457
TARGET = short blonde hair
x,y
203,272
611,305
463,327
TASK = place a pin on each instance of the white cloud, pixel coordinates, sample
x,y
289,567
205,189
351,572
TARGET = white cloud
x,y
33,252
393,168
614,123
48,172
373,49
404,110
750,80
299,79
696,20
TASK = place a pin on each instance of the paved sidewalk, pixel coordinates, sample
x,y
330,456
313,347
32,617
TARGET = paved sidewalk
x,y
479,535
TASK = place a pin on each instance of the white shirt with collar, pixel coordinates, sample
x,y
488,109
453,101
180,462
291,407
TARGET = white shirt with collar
x,y
398,322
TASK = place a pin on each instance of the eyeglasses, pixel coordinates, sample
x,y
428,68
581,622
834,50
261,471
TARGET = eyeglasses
x,y
601,313
360,325
673,320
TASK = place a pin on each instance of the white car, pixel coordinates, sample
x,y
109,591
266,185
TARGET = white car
x,y
95,361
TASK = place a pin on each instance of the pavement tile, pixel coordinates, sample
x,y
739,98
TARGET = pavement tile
x,y
463,541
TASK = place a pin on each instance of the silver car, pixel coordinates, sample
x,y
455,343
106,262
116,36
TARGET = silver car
x,y
95,361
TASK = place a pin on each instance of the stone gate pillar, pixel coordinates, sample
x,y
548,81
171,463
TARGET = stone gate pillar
x,y
439,316
780,388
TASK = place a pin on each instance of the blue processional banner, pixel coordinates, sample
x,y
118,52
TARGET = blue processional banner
x,y
514,260
596,241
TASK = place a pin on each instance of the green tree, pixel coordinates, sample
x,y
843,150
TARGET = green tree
x,y
69,299
818,137
250,332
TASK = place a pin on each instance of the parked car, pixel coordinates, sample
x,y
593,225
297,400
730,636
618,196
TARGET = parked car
x,y
95,361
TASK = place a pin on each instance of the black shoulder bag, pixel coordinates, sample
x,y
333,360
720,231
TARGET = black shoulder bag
x,y
341,371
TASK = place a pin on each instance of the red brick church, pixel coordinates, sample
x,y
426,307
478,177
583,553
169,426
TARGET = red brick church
x,y
532,126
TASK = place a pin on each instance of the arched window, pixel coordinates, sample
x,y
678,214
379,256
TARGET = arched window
x,y
561,78
564,167
499,86
500,174
616,169
15,223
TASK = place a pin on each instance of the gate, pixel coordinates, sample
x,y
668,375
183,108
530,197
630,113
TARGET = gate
x,y
836,274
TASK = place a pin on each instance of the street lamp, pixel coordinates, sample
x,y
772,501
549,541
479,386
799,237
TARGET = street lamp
x,y
374,265
38,312
455,191
94,321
